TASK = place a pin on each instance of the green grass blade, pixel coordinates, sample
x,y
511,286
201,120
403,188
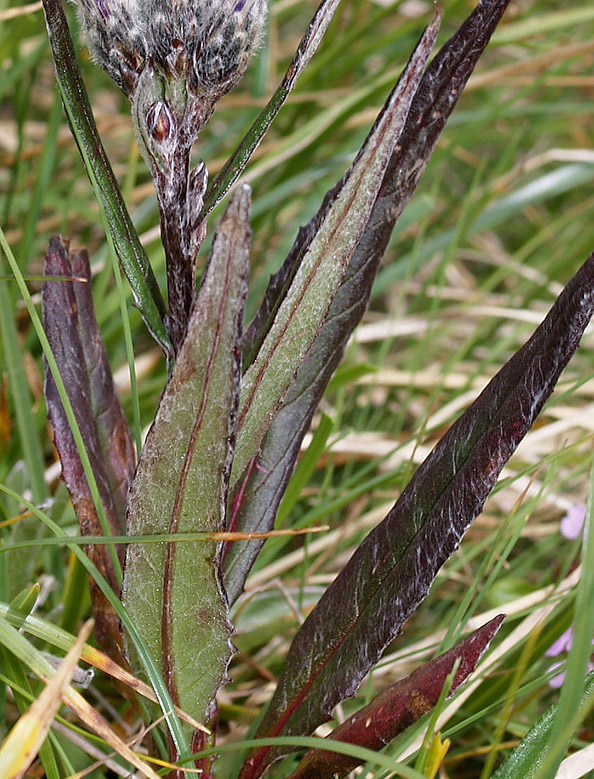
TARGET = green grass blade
x,y
46,167
21,394
241,156
567,718
152,671
527,758
131,254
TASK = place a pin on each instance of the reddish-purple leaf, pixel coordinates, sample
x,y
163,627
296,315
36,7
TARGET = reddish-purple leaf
x,y
391,571
70,324
398,707
434,101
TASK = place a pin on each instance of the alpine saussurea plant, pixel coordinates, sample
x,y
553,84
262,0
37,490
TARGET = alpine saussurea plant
x,y
226,436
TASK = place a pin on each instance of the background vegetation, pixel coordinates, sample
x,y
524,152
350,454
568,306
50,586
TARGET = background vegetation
x,y
501,219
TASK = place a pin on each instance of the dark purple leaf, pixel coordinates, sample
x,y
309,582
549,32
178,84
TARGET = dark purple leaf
x,y
398,707
434,101
391,571
70,324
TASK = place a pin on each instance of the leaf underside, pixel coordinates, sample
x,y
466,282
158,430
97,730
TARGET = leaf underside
x,y
392,570
70,325
399,706
172,591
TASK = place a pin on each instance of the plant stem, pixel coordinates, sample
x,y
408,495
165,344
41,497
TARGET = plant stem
x,y
172,194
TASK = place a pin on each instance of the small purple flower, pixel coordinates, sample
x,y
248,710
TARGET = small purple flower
x,y
573,522
562,644
556,682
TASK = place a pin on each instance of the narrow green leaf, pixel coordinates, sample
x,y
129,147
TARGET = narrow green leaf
x,y
131,254
527,758
45,169
325,258
240,158
22,604
21,394
311,742
172,591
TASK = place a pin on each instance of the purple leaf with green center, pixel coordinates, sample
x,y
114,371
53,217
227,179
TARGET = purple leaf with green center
x,y
72,330
396,708
172,590
303,309
263,487
392,570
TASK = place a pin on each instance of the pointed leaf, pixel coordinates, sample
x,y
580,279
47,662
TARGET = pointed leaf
x,y
72,331
433,103
240,158
172,591
324,260
399,706
392,570
131,254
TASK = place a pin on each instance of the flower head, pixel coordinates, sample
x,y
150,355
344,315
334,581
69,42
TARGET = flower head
x,y
208,42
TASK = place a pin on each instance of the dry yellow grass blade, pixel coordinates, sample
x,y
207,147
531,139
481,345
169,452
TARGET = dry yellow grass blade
x,y
86,713
25,739
103,663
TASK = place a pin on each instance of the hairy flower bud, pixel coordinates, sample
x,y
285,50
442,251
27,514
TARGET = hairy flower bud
x,y
174,59
206,42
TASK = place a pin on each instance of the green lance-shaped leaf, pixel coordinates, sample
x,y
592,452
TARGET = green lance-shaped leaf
x,y
399,706
131,254
260,491
392,570
172,591
73,334
304,307
232,169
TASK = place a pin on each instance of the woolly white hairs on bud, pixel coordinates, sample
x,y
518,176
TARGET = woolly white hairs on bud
x,y
217,36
